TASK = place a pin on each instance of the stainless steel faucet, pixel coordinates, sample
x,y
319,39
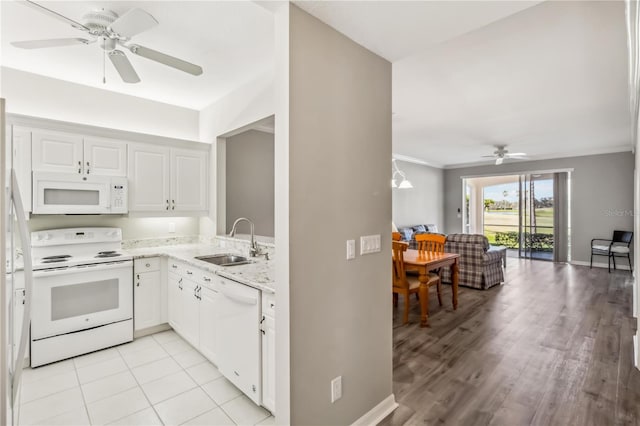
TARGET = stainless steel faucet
x,y
253,250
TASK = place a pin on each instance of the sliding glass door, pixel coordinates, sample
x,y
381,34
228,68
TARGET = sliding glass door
x,y
536,216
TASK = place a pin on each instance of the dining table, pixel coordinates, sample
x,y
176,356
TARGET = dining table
x,y
425,261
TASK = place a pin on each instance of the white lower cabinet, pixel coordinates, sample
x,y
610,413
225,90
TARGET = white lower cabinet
x,y
147,293
224,321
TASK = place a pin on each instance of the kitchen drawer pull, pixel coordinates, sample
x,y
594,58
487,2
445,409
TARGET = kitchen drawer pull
x,y
147,265
174,266
189,272
207,279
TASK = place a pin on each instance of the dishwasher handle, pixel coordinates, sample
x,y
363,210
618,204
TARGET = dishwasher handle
x,y
240,298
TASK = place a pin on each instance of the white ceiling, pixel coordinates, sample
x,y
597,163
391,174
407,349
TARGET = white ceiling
x,y
548,79
232,41
545,78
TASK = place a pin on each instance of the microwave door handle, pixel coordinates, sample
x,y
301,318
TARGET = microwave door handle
x,y
28,281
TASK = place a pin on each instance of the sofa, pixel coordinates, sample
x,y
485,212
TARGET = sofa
x,y
408,233
479,268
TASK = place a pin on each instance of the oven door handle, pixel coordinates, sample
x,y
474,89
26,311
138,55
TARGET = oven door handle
x,y
28,281
84,268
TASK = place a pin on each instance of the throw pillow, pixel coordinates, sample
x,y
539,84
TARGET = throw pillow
x,y
407,233
419,228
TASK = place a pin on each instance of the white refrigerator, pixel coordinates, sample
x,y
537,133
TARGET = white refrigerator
x,y
15,305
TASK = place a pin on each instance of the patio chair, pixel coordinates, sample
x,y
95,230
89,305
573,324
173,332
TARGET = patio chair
x,y
618,246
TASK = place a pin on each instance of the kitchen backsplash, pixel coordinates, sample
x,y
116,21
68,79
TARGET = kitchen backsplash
x,y
156,242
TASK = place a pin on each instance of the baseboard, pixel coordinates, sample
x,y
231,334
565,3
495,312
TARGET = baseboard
x,y
151,330
599,265
378,413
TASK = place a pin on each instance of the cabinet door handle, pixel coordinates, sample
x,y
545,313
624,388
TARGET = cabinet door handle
x,y
167,204
79,166
147,265
174,266
138,284
173,207
138,276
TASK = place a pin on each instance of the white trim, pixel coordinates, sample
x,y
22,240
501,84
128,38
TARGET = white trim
x,y
377,413
415,160
521,172
609,150
636,355
599,265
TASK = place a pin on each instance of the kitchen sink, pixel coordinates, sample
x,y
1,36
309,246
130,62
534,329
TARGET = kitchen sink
x,y
224,259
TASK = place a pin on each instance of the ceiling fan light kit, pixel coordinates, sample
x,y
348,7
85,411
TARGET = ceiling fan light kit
x,y
112,31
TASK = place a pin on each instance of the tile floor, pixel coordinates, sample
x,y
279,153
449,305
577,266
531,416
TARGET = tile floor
x,y
154,380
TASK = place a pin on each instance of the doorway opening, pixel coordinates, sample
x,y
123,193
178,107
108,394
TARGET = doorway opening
x,y
527,213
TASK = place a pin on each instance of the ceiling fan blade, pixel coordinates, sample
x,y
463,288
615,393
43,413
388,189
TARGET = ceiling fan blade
x,y
499,161
56,15
488,156
517,154
165,59
53,42
133,22
123,66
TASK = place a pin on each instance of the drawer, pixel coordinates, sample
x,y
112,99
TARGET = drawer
x,y
205,278
175,267
269,304
146,265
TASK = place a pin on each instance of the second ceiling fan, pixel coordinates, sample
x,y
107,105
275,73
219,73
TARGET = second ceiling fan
x,y
111,31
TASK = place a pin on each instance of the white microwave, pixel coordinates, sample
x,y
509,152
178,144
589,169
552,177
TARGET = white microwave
x,y
69,193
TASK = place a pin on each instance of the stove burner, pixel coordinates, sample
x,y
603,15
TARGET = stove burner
x,y
57,258
108,254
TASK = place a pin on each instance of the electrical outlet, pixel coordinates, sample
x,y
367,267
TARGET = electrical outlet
x,y
336,389
351,249
172,227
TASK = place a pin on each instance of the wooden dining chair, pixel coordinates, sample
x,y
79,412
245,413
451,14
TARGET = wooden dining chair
x,y
431,242
406,285
396,236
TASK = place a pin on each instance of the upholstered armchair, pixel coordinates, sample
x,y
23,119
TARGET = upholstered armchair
x,y
478,267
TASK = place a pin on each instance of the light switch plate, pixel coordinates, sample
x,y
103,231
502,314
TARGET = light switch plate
x,y
336,389
351,249
370,244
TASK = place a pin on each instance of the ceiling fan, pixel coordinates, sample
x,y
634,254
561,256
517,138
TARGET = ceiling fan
x,y
112,31
501,153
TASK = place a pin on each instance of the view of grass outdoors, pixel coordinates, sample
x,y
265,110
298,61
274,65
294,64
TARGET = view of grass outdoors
x,y
501,215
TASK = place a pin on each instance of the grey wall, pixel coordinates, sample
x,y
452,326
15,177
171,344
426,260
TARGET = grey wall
x,y
601,195
249,180
339,158
424,203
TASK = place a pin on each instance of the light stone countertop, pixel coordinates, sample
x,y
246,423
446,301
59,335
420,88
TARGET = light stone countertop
x,y
260,273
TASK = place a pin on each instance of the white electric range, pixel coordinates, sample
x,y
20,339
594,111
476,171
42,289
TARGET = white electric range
x,y
82,293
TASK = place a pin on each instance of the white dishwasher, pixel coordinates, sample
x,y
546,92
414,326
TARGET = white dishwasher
x,y
238,339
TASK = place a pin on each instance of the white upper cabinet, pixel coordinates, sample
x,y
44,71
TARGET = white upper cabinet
x,y
71,153
21,158
56,152
189,177
148,178
167,180
105,157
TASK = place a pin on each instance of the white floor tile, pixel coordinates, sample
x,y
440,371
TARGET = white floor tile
x,y
221,390
144,356
243,411
155,370
39,373
165,336
76,417
138,344
96,357
107,386
50,406
189,358
101,369
49,385
183,407
117,406
168,386
204,372
214,417
269,421
177,346
146,417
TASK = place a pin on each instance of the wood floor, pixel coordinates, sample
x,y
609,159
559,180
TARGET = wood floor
x,y
552,346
